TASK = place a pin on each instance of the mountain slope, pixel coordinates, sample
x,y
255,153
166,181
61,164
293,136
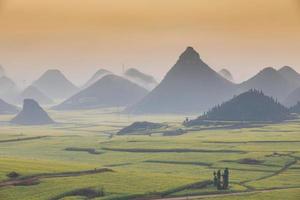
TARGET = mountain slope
x,y
32,114
97,76
6,108
32,92
140,78
291,75
249,106
270,82
292,98
110,91
55,85
191,86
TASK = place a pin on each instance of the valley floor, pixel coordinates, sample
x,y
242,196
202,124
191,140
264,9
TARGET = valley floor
x,y
81,157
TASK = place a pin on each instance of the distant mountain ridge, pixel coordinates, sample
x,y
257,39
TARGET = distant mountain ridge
x,y
32,92
110,91
271,82
96,77
55,85
191,86
140,78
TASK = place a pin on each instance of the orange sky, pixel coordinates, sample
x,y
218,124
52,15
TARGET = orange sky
x,y
80,36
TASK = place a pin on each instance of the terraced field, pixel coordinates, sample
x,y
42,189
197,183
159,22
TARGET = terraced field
x,y
82,157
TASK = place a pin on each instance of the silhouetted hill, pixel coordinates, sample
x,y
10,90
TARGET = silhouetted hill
x,y
270,82
8,89
140,78
226,74
6,108
96,77
140,128
32,114
249,106
191,86
110,91
55,85
32,92
291,75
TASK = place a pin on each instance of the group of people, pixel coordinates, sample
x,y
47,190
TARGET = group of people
x,y
221,180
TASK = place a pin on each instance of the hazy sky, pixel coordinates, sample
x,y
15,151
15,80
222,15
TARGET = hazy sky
x,y
80,36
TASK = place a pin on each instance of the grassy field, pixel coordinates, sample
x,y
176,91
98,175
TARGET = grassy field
x,y
58,161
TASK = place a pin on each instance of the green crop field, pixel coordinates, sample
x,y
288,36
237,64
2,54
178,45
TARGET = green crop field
x,y
62,160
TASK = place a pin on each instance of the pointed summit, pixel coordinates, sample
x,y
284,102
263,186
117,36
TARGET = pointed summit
x,y
190,86
32,114
189,56
55,85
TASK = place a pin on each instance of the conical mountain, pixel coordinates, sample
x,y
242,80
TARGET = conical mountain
x,y
270,82
140,78
225,73
110,91
96,77
249,106
55,85
6,108
32,114
191,86
291,75
32,92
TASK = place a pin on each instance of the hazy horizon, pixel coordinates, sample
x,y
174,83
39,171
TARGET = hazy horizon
x,y
82,37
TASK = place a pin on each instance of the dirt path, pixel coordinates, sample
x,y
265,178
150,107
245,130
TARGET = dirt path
x,y
34,179
283,169
250,190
